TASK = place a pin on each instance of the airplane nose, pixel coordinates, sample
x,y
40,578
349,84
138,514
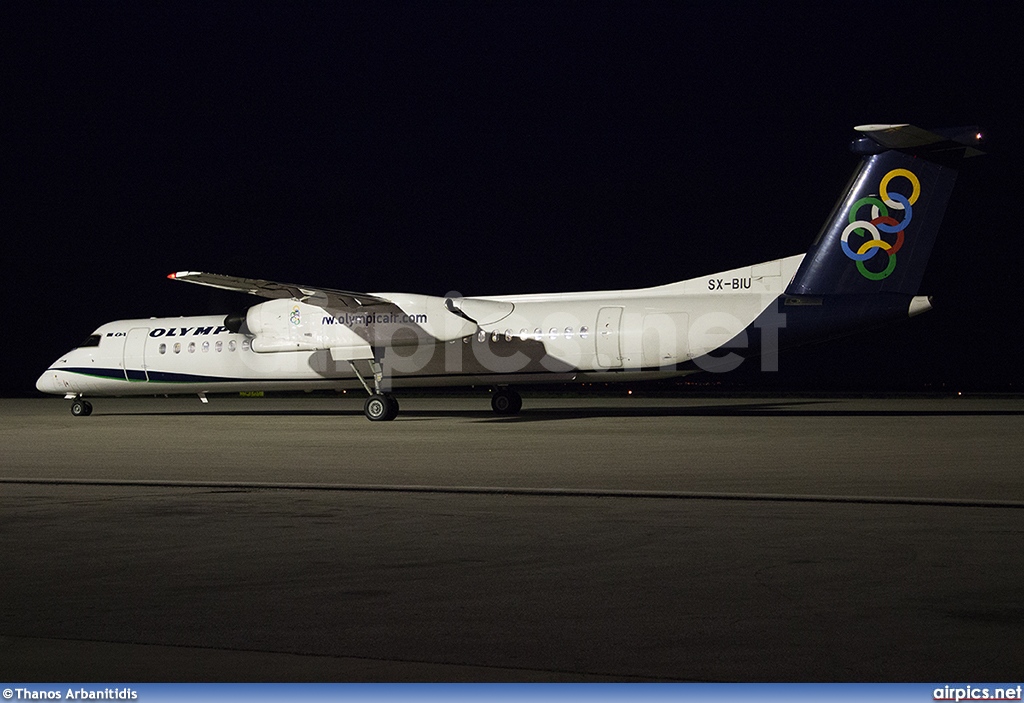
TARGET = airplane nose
x,y
46,383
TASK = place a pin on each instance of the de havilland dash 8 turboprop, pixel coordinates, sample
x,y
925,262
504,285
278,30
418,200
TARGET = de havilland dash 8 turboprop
x,y
862,270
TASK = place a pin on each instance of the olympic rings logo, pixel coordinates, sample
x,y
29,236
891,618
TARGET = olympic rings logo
x,y
296,316
881,221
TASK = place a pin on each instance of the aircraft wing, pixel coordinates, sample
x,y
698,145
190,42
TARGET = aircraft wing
x,y
314,295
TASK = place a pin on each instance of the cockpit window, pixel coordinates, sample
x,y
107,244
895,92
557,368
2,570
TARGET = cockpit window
x,y
92,340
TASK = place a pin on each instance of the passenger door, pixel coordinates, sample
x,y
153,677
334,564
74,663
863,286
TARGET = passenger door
x,y
135,354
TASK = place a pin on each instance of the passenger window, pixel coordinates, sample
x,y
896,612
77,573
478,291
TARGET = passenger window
x,y
177,347
219,346
481,336
231,345
163,348
584,332
245,344
206,347
568,332
508,335
538,334
553,333
191,347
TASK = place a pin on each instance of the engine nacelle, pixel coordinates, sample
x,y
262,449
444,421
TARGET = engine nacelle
x,y
234,321
289,325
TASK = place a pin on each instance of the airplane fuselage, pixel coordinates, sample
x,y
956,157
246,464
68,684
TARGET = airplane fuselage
x,y
521,339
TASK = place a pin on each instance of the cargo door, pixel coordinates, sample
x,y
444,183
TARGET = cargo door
x,y
609,345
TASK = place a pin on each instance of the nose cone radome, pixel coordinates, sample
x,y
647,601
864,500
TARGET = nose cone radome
x,y
44,383
49,383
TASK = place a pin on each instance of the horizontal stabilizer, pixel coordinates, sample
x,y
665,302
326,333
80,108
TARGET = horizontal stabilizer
x,y
324,297
909,138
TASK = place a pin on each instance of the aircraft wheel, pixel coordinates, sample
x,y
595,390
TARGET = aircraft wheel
x,y
506,401
81,408
394,406
380,407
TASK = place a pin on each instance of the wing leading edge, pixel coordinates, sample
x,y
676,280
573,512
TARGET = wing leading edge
x,y
314,295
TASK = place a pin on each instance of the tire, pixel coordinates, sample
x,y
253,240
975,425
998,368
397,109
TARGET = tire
x,y
394,406
506,401
380,407
81,408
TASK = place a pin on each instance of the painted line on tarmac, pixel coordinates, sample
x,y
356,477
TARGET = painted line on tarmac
x,y
356,664
527,491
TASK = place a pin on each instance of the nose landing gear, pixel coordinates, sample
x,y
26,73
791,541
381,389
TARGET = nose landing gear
x,y
81,408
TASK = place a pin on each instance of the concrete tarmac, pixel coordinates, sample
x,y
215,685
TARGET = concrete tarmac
x,y
584,540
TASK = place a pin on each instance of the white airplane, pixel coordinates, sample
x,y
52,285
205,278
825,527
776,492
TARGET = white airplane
x,y
862,270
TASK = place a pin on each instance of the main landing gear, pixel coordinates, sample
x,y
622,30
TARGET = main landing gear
x,y
383,407
380,406
505,401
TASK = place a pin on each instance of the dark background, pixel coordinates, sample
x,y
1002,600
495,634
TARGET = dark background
x,y
489,149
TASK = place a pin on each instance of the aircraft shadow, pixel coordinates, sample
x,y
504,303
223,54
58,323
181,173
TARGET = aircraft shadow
x,y
761,409
787,408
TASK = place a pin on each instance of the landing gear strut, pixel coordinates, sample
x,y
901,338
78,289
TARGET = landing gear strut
x,y
506,401
81,408
380,406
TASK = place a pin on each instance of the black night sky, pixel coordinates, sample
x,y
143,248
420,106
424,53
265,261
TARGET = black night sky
x,y
493,148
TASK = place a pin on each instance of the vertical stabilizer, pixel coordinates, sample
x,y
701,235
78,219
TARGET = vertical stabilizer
x,y
880,234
